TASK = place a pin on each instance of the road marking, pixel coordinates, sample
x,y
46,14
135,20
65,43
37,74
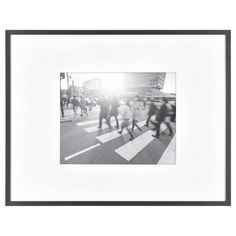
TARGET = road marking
x,y
95,128
132,148
81,152
168,157
68,113
114,134
89,122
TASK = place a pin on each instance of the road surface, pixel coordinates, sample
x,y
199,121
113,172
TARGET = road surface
x,y
83,143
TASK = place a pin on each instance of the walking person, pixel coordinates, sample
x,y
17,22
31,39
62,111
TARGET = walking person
x,y
136,114
104,111
65,98
144,103
151,111
173,116
114,111
163,117
90,103
83,108
125,113
68,104
75,104
69,97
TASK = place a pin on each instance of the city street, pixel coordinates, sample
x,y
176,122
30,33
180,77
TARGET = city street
x,y
83,143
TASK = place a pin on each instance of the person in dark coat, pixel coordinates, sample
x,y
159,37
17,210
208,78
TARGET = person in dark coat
x,y
82,105
173,116
152,111
114,111
75,104
104,111
162,116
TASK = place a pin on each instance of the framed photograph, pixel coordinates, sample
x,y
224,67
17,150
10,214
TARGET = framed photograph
x,y
118,117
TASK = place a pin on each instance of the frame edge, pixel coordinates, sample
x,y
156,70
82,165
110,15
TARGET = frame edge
x,y
8,118
8,201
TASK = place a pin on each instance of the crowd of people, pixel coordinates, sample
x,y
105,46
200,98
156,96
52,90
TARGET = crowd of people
x,y
84,103
130,111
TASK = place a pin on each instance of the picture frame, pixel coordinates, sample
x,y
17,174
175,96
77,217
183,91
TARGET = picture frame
x,y
12,110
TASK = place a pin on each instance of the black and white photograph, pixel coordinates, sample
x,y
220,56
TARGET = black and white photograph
x,y
117,118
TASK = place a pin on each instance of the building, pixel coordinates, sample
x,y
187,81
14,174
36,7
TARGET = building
x,y
143,84
92,87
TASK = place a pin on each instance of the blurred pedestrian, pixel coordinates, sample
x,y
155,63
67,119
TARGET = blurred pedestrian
x,y
136,114
114,110
151,111
83,108
75,104
126,115
104,111
90,103
144,103
173,115
65,98
163,116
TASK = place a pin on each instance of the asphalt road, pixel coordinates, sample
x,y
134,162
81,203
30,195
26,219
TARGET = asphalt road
x,y
83,143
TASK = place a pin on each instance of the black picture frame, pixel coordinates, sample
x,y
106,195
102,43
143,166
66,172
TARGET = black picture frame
x,y
226,33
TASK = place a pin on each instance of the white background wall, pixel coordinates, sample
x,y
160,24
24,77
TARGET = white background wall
x,y
121,14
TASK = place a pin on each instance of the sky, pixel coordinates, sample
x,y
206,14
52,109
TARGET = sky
x,y
170,83
114,81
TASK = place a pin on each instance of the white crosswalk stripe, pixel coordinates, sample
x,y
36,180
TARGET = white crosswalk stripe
x,y
168,157
132,148
84,123
89,122
95,128
81,152
114,134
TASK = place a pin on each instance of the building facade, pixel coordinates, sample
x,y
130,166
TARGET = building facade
x,y
143,84
92,87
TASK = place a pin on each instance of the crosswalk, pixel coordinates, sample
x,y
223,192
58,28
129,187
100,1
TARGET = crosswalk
x,y
95,128
84,123
114,134
89,122
127,150
131,149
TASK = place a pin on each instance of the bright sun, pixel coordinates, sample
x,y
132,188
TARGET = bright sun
x,y
112,82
